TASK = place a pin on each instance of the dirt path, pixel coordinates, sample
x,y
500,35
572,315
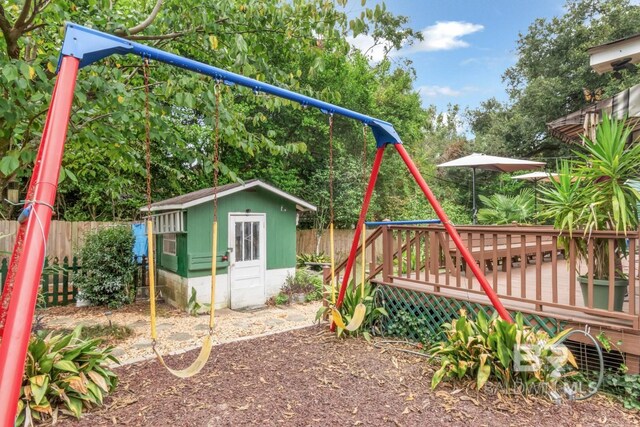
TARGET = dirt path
x,y
309,378
178,331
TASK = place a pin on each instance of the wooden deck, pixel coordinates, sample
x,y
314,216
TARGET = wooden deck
x,y
539,281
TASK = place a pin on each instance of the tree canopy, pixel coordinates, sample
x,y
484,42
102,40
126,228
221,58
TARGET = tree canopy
x,y
299,45
551,74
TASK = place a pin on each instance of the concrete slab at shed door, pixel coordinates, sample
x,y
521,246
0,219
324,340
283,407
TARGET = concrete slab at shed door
x,y
247,241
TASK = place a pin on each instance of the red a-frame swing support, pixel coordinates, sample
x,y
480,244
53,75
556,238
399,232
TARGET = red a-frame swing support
x,y
495,301
84,46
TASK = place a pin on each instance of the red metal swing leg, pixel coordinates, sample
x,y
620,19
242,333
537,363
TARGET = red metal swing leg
x,y
19,315
363,213
454,234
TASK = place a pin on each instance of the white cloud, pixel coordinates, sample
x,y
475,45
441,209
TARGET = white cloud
x,y
365,44
445,35
436,91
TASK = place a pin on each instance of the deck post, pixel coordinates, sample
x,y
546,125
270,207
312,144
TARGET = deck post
x,y
387,253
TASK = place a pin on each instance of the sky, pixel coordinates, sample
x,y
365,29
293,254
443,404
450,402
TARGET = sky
x,y
467,46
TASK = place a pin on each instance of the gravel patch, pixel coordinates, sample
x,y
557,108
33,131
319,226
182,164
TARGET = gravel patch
x,y
179,332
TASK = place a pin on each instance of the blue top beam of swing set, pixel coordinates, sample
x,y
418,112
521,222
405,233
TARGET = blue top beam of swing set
x,y
89,46
405,222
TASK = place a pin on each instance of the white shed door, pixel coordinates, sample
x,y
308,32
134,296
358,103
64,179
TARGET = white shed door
x,y
247,238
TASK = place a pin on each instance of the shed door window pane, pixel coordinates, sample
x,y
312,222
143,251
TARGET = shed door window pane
x,y
247,241
256,240
238,248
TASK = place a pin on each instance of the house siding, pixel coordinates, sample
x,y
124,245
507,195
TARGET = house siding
x,y
194,252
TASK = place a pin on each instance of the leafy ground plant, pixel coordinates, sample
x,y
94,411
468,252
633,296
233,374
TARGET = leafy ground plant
x,y
352,298
512,353
65,374
619,382
303,282
407,325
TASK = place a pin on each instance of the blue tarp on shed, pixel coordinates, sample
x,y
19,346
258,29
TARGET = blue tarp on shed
x,y
140,245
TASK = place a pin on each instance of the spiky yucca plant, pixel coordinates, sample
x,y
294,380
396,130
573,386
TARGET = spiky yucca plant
x,y
593,192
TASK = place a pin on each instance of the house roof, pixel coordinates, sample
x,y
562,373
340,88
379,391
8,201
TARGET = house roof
x,y
603,58
205,195
623,104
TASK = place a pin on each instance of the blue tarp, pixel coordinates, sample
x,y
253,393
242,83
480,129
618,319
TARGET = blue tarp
x,y
140,245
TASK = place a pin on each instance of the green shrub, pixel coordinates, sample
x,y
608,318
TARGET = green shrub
x,y
108,267
625,386
65,373
303,282
281,299
407,325
489,348
619,382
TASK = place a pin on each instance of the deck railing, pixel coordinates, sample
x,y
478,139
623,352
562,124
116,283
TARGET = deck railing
x,y
526,266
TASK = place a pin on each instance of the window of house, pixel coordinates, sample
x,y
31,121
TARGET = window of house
x,y
168,222
169,244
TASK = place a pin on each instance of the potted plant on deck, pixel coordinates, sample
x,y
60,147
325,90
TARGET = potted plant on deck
x,y
593,193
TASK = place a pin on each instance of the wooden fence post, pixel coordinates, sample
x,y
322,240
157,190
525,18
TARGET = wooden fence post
x,y
56,282
75,269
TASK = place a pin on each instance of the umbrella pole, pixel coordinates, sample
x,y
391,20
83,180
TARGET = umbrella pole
x,y
473,186
535,201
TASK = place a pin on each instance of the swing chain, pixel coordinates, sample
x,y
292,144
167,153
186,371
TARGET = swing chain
x,y
364,155
330,168
216,153
147,128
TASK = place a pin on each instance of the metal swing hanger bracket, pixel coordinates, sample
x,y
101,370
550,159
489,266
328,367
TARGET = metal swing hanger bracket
x,y
89,45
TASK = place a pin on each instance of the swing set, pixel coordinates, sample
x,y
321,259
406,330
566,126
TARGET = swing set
x,y
82,47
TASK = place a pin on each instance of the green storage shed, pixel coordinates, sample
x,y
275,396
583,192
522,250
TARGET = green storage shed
x,y
256,243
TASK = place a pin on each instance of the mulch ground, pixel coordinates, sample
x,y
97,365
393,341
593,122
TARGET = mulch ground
x,y
307,377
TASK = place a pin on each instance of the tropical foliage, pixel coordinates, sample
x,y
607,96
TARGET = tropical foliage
x,y
505,209
492,348
63,373
299,45
593,192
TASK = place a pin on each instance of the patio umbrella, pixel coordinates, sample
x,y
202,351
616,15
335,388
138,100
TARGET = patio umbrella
x,y
535,177
493,163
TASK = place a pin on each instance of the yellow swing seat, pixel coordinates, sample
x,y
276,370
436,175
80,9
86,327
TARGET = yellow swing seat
x,y
207,343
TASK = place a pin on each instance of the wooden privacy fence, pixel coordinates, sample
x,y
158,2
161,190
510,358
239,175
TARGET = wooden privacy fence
x,y
307,241
57,280
65,238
